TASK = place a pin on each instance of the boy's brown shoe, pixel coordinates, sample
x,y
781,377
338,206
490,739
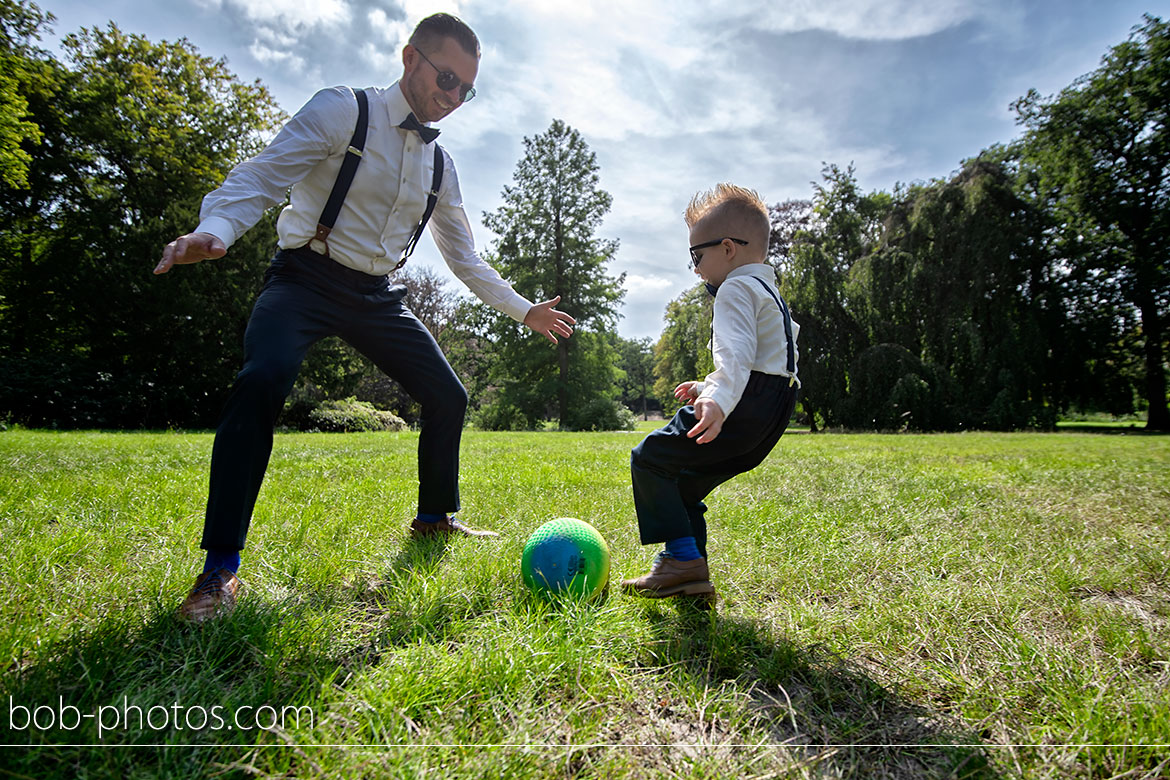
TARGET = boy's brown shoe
x,y
448,526
671,577
214,594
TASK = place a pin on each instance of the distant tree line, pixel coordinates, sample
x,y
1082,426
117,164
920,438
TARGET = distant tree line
x,y
1031,282
105,156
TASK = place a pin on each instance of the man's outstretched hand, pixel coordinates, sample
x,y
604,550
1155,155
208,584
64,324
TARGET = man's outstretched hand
x,y
191,248
548,321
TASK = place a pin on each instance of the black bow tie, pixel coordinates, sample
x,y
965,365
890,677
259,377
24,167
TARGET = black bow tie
x,y
712,289
427,134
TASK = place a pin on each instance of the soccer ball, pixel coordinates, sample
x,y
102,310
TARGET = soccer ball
x,y
566,556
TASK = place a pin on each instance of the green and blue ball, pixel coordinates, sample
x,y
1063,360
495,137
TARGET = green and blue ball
x,y
566,556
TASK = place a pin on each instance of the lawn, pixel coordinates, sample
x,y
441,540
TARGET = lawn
x,y
904,606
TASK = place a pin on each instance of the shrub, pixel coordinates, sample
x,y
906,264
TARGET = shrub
x,y
350,415
500,416
600,414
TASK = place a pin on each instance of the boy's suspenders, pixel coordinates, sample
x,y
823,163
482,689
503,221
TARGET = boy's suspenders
x,y
353,156
787,330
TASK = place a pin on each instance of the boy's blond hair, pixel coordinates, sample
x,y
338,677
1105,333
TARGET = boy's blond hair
x,y
738,211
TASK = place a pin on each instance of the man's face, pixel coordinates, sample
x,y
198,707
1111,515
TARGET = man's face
x,y
428,102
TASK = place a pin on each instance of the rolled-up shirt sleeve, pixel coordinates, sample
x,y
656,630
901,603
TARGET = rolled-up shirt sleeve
x,y
263,181
733,346
452,233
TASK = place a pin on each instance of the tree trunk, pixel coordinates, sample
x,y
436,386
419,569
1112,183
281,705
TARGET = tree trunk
x,y
1159,414
563,385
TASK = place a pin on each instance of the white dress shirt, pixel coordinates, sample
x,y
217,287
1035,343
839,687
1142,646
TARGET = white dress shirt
x,y
384,204
747,334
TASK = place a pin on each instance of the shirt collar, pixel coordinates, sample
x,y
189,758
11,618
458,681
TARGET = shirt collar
x,y
761,270
396,106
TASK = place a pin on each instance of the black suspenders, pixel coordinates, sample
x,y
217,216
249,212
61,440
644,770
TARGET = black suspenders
x,y
432,199
353,156
787,328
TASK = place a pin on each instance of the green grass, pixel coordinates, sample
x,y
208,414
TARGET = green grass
x,y
972,605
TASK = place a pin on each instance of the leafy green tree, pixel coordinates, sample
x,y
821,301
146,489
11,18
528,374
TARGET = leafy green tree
x,y
637,384
547,247
22,65
683,351
133,133
958,280
788,218
1101,148
816,278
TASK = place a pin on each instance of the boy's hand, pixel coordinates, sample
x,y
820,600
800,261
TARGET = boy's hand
x,y
549,322
710,423
687,391
191,248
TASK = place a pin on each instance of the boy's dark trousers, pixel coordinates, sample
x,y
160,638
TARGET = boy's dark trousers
x,y
672,474
307,297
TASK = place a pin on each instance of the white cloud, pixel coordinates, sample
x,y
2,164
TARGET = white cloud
x,y
267,55
641,287
293,13
383,59
392,31
866,19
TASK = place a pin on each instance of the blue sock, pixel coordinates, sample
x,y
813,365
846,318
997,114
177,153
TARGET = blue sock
x,y
430,518
222,559
683,549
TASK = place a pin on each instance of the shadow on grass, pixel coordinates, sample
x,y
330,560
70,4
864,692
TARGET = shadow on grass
x,y
161,699
421,555
1110,430
164,698
826,710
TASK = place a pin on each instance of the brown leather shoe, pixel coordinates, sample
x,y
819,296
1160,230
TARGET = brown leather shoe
x,y
448,526
671,577
214,594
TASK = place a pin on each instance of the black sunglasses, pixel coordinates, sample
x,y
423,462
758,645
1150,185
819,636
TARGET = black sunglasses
x,y
696,258
447,81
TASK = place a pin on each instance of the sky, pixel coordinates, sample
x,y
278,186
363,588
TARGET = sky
x,y
673,96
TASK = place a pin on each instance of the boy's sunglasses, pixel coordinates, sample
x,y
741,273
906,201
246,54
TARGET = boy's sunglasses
x,y
697,258
447,81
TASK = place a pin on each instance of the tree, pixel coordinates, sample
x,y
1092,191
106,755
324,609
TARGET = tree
x,y
1101,148
958,281
817,281
548,246
22,64
637,362
683,350
788,219
133,134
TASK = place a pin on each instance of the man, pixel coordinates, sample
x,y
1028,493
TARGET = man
x,y
332,279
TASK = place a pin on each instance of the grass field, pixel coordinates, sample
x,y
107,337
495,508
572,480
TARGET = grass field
x,y
974,605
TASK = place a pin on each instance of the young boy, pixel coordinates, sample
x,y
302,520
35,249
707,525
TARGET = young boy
x,y
740,410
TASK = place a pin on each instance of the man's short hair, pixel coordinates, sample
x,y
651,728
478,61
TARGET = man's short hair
x,y
429,34
734,209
